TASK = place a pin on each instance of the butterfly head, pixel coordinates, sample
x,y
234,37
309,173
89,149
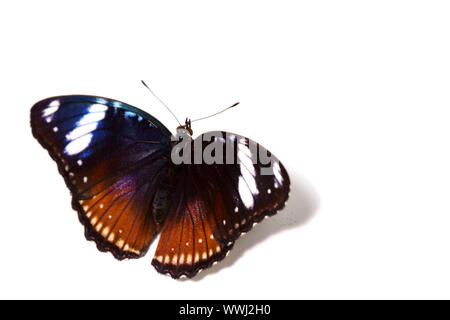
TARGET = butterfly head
x,y
187,126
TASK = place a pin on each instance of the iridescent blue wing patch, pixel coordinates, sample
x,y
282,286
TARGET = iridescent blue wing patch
x,y
114,158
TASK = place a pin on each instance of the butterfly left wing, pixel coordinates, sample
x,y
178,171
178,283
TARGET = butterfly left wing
x,y
218,202
113,158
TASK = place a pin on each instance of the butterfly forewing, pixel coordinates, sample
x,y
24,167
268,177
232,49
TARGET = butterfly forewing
x,y
113,158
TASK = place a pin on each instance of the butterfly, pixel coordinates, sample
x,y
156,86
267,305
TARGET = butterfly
x,y
118,163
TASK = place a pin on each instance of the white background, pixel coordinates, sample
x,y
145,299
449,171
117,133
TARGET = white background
x,y
352,96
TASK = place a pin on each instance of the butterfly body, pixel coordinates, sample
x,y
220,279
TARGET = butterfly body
x,y
118,162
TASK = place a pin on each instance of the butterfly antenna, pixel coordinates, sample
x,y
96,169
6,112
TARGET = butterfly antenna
x,y
162,102
215,114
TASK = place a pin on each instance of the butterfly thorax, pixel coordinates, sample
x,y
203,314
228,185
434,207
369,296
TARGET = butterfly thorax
x,y
185,129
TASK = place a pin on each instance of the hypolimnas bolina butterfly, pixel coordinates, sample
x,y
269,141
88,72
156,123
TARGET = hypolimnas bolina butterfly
x,y
130,179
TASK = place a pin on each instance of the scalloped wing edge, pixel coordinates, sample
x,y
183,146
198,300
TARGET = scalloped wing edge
x,y
177,274
90,233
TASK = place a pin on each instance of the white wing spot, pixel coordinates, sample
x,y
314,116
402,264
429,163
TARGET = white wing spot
x,y
91,117
55,104
55,129
277,172
200,240
269,191
245,193
79,132
80,162
98,107
236,209
101,206
52,108
78,145
224,222
85,179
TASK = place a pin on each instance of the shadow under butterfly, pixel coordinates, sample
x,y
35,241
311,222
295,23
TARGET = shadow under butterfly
x,y
117,161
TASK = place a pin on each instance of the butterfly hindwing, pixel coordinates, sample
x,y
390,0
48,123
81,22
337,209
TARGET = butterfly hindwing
x,y
218,202
113,158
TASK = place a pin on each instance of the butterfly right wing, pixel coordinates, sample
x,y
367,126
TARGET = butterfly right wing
x,y
216,203
113,158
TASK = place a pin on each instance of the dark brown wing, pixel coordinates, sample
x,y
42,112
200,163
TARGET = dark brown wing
x,y
216,203
113,158
187,243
